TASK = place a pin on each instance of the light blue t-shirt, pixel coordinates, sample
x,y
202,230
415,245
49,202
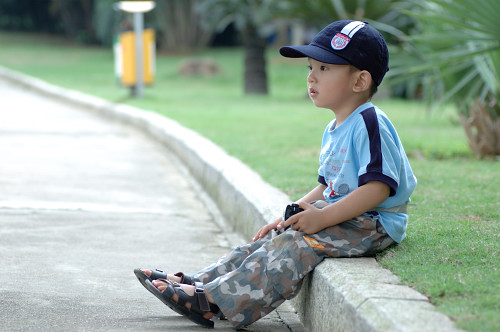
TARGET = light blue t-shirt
x,y
366,147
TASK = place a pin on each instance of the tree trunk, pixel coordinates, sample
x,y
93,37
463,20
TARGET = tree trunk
x,y
179,25
483,129
255,62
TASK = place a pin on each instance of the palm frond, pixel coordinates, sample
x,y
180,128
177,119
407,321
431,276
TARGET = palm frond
x,y
457,46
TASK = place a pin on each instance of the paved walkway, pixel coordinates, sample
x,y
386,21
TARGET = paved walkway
x,y
83,201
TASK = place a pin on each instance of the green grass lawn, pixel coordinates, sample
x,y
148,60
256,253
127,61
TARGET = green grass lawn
x,y
453,244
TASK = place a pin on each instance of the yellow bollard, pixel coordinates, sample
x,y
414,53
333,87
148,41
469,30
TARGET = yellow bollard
x,y
125,62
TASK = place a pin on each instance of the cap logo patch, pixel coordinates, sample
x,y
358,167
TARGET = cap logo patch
x,y
342,38
340,41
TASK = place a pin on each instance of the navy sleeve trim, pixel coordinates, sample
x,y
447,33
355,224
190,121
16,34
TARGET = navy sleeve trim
x,y
374,171
372,127
393,185
321,179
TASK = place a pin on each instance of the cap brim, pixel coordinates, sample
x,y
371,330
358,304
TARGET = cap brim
x,y
311,51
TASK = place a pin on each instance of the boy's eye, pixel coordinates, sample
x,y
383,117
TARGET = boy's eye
x,y
321,68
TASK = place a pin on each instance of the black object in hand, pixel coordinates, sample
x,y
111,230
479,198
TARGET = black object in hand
x,y
290,210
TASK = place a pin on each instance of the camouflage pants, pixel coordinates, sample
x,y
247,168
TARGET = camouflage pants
x,y
254,279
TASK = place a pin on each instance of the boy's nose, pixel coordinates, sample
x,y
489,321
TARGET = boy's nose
x,y
310,77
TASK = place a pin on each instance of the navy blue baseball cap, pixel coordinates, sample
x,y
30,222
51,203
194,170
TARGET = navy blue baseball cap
x,y
347,42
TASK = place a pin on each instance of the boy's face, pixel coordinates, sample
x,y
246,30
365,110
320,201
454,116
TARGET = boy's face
x,y
330,86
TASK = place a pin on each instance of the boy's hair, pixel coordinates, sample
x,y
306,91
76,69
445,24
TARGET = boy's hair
x,y
373,89
347,42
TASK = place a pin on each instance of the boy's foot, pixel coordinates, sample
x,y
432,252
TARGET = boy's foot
x,y
161,275
187,300
157,280
189,290
147,274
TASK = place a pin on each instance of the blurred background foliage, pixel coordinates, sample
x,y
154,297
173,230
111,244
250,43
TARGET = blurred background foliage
x,y
441,50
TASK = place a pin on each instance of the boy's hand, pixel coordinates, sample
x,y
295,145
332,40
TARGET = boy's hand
x,y
308,221
264,230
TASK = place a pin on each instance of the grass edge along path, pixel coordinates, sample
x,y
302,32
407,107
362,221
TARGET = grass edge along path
x,y
452,249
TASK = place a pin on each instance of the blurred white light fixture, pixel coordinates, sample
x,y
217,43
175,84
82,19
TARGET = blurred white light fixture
x,y
135,6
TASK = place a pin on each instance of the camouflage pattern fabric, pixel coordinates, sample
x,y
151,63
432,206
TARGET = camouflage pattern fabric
x,y
255,278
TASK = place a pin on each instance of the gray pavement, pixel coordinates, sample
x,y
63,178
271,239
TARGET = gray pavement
x,y
83,201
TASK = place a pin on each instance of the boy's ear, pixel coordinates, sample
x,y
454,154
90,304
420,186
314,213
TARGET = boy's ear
x,y
363,81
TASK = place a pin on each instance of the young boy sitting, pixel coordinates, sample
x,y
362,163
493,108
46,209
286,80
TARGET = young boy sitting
x,y
357,209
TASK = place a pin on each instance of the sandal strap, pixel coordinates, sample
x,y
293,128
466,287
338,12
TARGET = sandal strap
x,y
184,278
214,308
157,274
196,309
202,297
198,301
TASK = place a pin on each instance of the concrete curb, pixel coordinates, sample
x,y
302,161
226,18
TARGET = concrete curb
x,y
340,295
